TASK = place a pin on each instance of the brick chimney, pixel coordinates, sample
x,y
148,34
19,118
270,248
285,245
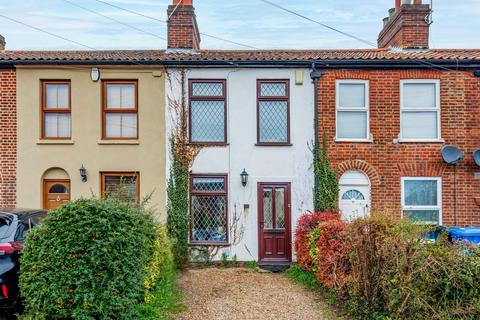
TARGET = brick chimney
x,y
407,26
182,26
2,42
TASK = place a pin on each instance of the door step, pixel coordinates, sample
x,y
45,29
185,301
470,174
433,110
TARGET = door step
x,y
274,267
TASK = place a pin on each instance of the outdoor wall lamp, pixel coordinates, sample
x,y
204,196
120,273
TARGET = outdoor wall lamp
x,y
95,74
244,176
83,173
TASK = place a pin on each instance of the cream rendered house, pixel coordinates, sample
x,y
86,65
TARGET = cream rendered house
x,y
80,136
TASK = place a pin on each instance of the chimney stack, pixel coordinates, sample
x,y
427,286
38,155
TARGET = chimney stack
x,y
407,27
183,30
2,42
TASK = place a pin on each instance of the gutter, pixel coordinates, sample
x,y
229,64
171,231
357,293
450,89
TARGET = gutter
x,y
325,64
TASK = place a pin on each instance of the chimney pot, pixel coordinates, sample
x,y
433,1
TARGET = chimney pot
x,y
2,42
184,2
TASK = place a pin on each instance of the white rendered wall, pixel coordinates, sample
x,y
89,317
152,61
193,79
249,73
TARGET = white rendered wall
x,y
263,164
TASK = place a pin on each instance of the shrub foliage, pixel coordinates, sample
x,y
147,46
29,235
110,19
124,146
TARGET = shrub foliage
x,y
88,261
381,268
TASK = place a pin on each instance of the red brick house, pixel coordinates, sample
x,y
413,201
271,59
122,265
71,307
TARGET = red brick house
x,y
386,112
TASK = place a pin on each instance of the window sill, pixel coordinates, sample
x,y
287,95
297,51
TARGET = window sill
x,y
208,144
419,141
273,144
354,140
119,142
55,142
214,244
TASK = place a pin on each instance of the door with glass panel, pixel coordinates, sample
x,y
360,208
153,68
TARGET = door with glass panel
x,y
55,193
274,222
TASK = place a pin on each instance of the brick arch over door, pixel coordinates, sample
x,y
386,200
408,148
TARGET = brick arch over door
x,y
370,171
361,165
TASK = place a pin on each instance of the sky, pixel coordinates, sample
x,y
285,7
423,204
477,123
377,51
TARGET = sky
x,y
252,22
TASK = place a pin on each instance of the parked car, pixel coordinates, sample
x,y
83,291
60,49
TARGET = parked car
x,y
14,226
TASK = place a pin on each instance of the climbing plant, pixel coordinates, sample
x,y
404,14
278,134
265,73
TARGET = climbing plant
x,y
182,155
326,193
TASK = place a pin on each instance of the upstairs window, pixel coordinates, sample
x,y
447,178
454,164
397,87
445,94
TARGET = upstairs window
x,y
56,110
273,112
208,209
124,185
420,110
120,109
421,199
352,104
208,111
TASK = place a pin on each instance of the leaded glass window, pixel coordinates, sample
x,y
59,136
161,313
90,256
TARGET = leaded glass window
x,y
273,112
208,209
207,111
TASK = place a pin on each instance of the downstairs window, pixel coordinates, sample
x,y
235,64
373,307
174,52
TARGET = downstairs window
x,y
421,199
208,209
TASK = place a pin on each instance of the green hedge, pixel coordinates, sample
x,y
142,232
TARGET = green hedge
x,y
90,260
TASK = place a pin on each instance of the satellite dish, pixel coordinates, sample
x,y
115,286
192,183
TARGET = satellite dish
x,y
476,157
452,155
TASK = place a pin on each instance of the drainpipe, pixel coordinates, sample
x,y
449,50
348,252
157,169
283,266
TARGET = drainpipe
x,y
315,75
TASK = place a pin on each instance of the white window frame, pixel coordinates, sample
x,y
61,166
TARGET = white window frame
x,y
437,108
338,108
439,196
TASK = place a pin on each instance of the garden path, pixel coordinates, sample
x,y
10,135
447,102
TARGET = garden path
x,y
237,293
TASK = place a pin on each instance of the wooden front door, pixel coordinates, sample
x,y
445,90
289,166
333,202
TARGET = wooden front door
x,y
55,193
274,224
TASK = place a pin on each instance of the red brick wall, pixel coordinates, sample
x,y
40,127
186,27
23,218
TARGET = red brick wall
x,y
183,30
386,162
406,28
8,138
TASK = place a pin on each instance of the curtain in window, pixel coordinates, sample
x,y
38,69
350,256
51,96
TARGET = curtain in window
x,y
57,125
421,193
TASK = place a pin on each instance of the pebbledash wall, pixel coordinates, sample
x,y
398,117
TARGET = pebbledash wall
x,y
385,160
290,164
8,137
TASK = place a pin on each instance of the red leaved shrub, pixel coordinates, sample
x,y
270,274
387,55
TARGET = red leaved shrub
x,y
329,248
306,224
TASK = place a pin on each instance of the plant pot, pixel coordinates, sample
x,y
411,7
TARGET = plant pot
x,y
477,201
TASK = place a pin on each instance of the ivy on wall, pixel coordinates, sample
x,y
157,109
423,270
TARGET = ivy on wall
x,y
326,194
182,155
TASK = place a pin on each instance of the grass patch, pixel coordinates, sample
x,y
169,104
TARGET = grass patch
x,y
166,300
325,299
253,265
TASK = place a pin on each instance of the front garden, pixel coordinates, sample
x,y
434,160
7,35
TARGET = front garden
x,y
383,268
99,259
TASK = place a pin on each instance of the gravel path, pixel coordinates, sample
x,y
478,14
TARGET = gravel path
x,y
231,294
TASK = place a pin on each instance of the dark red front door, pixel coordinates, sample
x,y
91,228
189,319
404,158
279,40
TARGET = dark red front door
x,y
274,222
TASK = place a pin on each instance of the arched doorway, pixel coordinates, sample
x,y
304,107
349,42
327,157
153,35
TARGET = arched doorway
x,y
354,197
56,188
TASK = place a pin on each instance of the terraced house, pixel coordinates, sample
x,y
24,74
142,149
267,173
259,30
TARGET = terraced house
x,y
253,118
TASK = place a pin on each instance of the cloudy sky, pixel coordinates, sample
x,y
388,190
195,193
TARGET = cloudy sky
x,y
456,23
